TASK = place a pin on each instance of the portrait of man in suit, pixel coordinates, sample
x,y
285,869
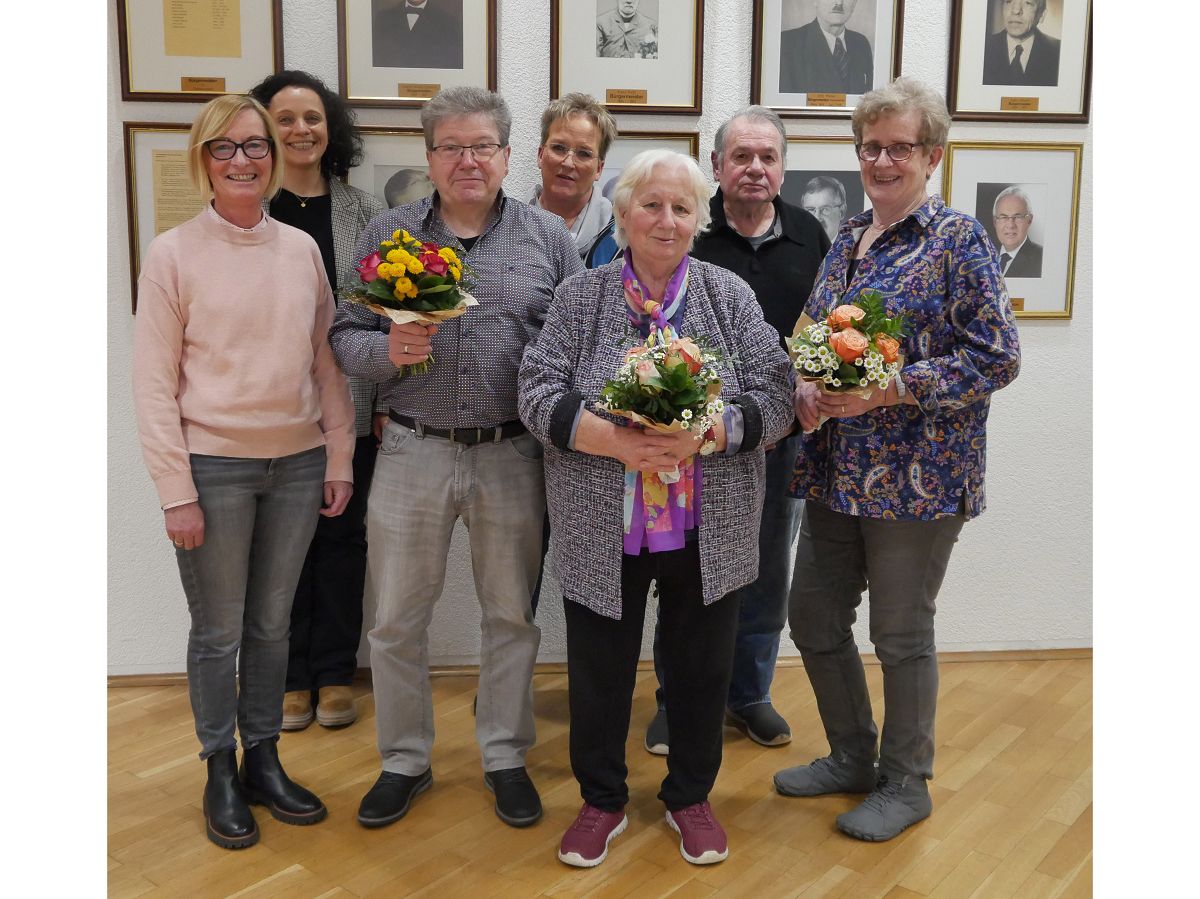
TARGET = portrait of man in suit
x,y
824,56
626,30
1021,52
825,199
1012,214
417,34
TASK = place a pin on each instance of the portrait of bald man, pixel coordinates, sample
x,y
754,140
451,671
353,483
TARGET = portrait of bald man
x,y
1012,216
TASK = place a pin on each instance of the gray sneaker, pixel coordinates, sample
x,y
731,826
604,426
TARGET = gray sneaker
x,y
657,737
828,775
892,806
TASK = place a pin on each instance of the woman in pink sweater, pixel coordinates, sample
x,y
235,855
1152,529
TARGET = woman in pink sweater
x,y
246,427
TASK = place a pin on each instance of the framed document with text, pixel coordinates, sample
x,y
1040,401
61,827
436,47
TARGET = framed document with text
x,y
1020,60
390,54
822,176
818,57
158,193
631,55
1027,197
194,50
630,143
394,167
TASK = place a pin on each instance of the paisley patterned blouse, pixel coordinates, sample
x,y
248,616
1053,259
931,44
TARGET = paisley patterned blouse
x,y
939,267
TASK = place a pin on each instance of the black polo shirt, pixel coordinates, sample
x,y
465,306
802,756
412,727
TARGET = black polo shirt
x,y
781,272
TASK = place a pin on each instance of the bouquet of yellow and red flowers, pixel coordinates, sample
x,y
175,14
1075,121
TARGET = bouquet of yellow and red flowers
x,y
854,350
409,280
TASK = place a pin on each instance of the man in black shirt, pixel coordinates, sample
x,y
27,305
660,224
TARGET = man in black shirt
x,y
777,249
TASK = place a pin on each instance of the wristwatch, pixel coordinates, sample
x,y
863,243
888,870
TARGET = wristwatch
x,y
708,444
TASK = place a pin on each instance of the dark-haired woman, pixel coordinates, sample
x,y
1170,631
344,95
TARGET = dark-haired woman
x,y
319,144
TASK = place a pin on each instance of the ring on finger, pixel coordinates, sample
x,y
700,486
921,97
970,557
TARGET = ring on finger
x,y
178,542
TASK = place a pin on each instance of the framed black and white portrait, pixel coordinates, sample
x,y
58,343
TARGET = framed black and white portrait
x,y
631,55
194,50
399,53
1019,60
630,143
818,57
822,176
158,192
1026,195
394,167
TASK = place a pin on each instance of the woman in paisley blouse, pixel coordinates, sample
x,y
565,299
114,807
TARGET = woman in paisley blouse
x,y
890,480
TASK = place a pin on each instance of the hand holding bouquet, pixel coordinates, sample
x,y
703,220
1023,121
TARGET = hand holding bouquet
x,y
667,384
855,350
409,280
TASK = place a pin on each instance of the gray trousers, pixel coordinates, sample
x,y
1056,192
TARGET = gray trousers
x,y
422,485
903,562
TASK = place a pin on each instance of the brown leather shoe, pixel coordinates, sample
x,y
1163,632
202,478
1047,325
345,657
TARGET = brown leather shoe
x,y
335,706
297,710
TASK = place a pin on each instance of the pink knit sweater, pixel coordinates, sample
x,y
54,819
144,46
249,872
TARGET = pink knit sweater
x,y
230,352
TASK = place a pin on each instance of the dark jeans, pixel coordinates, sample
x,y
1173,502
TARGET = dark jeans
x,y
904,562
765,601
259,516
697,653
327,611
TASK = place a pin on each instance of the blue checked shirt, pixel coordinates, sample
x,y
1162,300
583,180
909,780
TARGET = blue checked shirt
x,y
517,262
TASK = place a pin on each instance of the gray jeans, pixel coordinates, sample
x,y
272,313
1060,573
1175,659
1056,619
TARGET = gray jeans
x,y
422,485
259,517
903,562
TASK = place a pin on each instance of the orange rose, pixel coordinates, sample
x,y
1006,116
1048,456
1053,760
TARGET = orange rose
x,y
845,317
888,347
634,352
684,349
849,344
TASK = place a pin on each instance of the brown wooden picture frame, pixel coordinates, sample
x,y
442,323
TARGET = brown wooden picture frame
x,y
349,86
820,105
584,11
127,62
1076,44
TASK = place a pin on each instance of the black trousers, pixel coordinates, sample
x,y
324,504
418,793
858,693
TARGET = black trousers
x,y
327,611
697,654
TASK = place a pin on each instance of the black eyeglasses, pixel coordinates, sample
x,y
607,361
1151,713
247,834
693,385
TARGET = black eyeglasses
x,y
255,148
560,152
451,152
895,152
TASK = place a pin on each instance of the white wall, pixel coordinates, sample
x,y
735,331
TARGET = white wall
x,y
1021,574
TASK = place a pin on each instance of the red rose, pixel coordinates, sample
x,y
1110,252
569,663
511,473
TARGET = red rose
x,y
434,264
367,267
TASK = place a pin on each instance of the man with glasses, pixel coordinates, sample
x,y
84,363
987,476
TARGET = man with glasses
x,y
1021,53
824,198
454,447
576,134
776,248
1012,215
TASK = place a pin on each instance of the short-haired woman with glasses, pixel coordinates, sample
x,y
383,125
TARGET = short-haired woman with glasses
x,y
246,427
889,480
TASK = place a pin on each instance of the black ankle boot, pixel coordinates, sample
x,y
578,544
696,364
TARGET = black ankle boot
x,y
227,818
266,783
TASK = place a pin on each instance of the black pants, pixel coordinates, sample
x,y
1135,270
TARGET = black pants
x,y
327,610
697,653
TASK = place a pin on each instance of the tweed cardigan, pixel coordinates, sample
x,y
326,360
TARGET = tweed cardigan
x,y
581,345
351,210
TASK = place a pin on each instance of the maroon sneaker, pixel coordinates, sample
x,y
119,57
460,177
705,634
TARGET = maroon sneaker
x,y
702,840
585,844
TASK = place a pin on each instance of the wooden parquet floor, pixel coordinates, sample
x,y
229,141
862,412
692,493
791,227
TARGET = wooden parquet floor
x,y
1012,805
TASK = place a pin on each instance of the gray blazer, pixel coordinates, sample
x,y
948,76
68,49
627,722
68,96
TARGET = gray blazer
x,y
580,346
351,210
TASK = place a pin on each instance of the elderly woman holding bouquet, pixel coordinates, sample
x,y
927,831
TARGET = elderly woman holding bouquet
x,y
892,475
629,504
247,429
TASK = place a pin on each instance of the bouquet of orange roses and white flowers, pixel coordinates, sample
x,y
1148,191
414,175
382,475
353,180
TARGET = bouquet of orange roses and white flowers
x,y
855,350
410,280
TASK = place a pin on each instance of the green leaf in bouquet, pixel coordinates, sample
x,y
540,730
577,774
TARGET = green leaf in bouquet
x,y
381,290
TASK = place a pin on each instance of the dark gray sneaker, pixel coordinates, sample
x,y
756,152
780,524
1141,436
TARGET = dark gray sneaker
x,y
893,806
761,723
657,738
832,774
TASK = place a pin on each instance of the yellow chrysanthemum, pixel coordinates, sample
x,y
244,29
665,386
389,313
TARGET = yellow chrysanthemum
x,y
449,255
405,235
395,256
396,235
456,272
387,243
383,270
415,266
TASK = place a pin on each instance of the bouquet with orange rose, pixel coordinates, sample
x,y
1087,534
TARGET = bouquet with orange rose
x,y
855,350
666,384
410,280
